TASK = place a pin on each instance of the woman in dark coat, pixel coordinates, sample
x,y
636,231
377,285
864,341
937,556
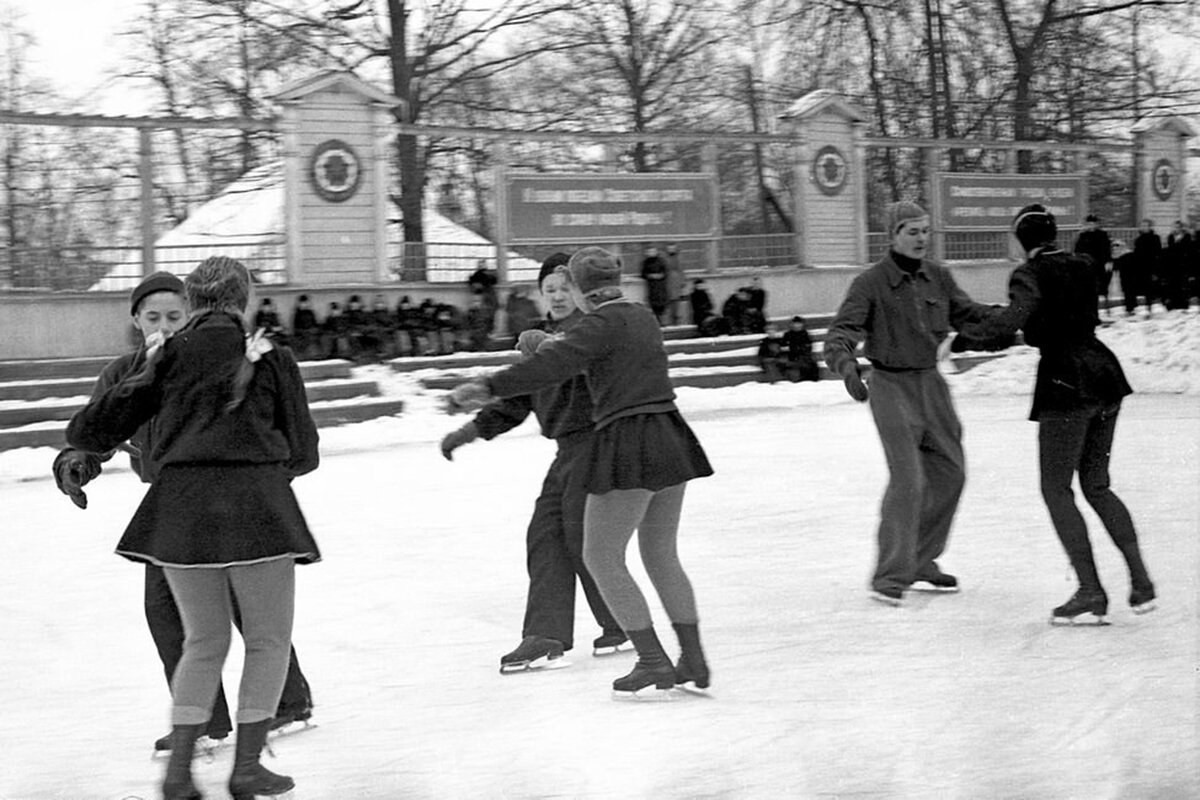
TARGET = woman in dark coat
x,y
1076,400
232,428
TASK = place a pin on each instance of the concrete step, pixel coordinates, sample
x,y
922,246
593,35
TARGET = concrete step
x,y
340,389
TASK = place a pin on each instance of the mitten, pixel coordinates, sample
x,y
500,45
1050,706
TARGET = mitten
x,y
456,439
72,471
853,380
469,396
529,341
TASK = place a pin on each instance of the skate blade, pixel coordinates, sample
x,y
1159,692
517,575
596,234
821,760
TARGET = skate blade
x,y
290,729
1144,608
691,688
647,694
879,597
601,652
206,748
290,794
929,588
1082,620
542,664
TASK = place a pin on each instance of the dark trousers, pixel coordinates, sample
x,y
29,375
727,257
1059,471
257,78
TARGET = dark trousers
x,y
922,442
554,551
1082,442
166,628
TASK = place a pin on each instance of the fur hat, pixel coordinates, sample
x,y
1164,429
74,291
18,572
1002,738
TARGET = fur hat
x,y
1034,226
901,212
551,264
219,283
594,268
158,282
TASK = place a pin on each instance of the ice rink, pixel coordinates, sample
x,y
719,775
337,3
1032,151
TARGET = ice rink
x,y
817,692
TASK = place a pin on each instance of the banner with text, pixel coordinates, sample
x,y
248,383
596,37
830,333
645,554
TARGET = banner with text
x,y
610,208
989,202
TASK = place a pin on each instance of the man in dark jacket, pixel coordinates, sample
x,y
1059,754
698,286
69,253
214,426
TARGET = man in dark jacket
x,y
1147,249
1094,243
1076,398
306,330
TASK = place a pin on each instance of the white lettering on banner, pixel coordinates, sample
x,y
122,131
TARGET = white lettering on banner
x,y
559,196
983,191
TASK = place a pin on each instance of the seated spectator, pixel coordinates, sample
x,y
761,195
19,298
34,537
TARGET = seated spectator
x,y
448,326
266,319
306,330
771,359
379,340
358,323
478,324
800,365
335,338
410,323
702,305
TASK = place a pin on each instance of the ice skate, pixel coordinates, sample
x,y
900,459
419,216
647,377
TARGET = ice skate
x,y
691,670
652,677
1141,601
289,723
250,779
610,644
889,597
534,653
206,746
940,583
1086,607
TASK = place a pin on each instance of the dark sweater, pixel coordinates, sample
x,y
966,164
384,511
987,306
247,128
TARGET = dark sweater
x,y
618,347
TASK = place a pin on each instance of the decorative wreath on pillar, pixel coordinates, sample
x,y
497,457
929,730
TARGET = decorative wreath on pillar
x,y
829,170
335,171
1163,179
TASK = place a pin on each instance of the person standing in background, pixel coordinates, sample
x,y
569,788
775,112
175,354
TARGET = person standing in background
x,y
654,272
1093,242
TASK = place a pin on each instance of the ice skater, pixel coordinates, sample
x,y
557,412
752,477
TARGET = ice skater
x,y
638,463
904,307
231,430
554,539
1076,399
156,304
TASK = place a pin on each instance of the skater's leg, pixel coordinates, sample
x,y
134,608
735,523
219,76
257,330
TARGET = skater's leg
x,y
295,703
550,602
203,598
945,474
573,457
608,524
657,543
1095,484
893,398
1060,445
266,596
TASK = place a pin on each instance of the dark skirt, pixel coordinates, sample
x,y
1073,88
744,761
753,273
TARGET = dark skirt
x,y
218,516
645,451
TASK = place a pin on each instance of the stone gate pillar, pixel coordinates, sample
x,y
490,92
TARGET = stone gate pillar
x,y
830,199
335,151
1161,168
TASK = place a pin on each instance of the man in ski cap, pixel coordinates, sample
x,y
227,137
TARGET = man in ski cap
x,y
903,308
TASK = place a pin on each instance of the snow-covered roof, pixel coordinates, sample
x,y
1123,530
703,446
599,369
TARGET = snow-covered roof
x,y
822,100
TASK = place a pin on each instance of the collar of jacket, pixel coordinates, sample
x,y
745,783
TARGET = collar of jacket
x,y
896,276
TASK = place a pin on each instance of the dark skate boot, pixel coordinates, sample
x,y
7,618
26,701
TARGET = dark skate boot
x,y
177,784
889,597
534,653
691,671
611,643
939,583
652,677
251,779
1141,599
1086,607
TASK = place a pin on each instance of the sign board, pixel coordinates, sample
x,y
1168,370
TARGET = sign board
x,y
609,207
989,202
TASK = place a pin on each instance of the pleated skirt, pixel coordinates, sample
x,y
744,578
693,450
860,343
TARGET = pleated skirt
x,y
645,451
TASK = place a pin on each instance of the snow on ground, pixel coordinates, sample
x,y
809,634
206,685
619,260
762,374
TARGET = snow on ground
x,y
818,693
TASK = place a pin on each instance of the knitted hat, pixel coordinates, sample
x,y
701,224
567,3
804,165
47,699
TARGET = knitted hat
x,y
158,282
902,212
551,264
594,268
220,283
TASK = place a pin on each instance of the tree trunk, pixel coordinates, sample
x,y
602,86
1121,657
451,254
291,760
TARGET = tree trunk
x,y
408,152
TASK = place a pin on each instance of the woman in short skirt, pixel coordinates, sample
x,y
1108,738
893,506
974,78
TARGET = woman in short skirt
x,y
642,455
231,429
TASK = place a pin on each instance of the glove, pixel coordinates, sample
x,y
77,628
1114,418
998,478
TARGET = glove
x,y
466,397
456,439
72,470
529,341
853,380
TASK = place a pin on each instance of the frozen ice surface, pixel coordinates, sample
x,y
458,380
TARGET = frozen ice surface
x,y
817,692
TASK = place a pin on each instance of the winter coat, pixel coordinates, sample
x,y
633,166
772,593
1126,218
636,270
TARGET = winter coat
x,y
1052,299
654,272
